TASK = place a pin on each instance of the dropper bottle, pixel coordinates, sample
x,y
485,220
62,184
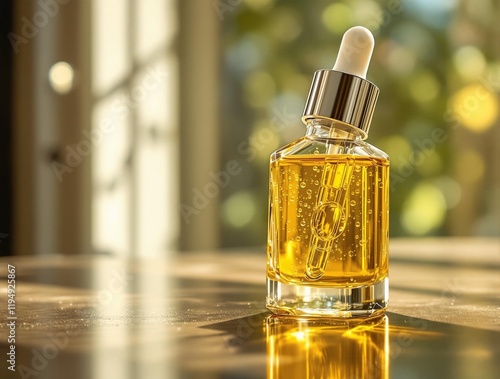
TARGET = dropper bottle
x,y
328,202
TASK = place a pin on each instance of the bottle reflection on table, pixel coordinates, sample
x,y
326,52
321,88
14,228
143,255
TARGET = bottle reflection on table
x,y
308,348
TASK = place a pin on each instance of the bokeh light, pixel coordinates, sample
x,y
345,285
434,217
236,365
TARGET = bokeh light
x,y
475,106
337,18
239,209
424,210
61,77
469,62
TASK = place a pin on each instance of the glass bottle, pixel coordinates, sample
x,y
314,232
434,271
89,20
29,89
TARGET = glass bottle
x,y
329,200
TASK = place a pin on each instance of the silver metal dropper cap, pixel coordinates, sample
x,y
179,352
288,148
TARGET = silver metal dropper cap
x,y
343,94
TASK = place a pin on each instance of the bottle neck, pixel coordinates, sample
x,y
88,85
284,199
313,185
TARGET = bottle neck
x,y
326,128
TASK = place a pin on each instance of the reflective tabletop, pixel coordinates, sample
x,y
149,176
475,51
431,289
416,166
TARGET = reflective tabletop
x,y
202,315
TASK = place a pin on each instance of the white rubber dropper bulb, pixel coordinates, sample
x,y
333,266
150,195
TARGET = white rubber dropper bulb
x,y
355,52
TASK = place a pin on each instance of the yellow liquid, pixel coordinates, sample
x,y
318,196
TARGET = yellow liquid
x,y
329,220
301,348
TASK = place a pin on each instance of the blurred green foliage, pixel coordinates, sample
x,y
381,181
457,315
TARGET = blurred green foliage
x,y
437,66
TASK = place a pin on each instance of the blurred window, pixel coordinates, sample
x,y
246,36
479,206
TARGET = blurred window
x,y
134,124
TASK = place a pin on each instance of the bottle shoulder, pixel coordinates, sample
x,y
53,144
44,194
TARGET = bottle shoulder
x,y
374,151
330,146
297,147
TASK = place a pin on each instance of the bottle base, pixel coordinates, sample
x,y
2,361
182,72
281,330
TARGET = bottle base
x,y
302,300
